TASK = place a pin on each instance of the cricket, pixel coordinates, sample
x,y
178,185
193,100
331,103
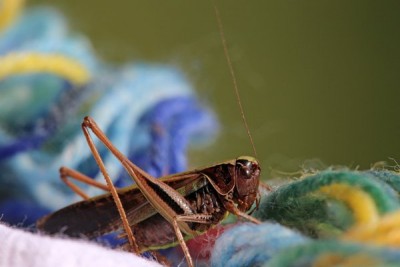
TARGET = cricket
x,y
164,212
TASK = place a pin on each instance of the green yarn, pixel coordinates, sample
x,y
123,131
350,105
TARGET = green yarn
x,y
299,205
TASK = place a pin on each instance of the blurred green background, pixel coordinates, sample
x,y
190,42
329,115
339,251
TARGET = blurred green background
x,y
319,80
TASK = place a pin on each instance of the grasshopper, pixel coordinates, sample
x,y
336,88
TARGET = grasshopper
x,y
158,213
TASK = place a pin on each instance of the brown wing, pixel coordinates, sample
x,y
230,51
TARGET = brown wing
x,y
98,216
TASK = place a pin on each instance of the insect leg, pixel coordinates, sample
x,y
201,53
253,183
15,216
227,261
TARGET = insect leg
x,y
196,218
244,215
182,242
66,173
111,187
147,184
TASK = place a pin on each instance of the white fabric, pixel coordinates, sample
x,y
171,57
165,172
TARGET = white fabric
x,y
19,249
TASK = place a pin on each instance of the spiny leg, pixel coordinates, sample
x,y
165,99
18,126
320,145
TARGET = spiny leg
x,y
133,170
182,242
66,173
111,188
194,218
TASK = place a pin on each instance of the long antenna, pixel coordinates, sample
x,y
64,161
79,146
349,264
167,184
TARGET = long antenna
x,y
235,86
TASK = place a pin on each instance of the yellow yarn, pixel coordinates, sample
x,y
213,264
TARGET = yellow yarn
x,y
370,227
363,206
384,232
333,259
19,63
9,10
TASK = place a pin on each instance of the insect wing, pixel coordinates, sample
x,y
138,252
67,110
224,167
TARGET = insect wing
x,y
98,216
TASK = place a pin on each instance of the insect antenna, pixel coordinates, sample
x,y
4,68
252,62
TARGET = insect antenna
x,y
233,76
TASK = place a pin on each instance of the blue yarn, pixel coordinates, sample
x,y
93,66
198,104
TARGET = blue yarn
x,y
21,213
187,125
35,133
305,254
44,30
252,245
33,25
125,102
122,117
20,145
273,245
159,121
171,122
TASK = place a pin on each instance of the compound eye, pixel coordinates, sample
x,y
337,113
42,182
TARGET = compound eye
x,y
247,168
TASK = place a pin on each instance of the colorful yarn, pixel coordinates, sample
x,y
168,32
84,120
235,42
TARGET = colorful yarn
x,y
252,245
363,214
70,70
385,232
354,215
306,206
170,123
49,80
335,253
389,177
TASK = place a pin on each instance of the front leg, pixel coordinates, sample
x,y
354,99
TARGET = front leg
x,y
231,207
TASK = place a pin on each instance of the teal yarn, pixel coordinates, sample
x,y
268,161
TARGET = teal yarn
x,y
299,205
41,115
273,245
389,177
44,29
150,112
